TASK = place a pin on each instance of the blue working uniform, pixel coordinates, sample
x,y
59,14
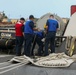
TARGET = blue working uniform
x,y
28,35
38,36
50,37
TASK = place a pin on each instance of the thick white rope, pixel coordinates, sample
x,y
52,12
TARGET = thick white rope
x,y
53,60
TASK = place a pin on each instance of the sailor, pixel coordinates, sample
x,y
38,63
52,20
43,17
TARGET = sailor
x,y
19,35
28,35
51,28
38,36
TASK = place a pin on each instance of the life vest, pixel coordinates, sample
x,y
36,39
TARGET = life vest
x,y
27,28
52,25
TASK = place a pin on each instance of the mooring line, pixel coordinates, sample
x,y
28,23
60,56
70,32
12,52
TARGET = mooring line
x,y
11,68
8,66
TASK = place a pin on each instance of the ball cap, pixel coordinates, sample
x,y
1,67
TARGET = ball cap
x,y
31,16
22,18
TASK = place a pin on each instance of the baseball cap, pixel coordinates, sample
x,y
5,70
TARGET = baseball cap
x,y
31,16
22,19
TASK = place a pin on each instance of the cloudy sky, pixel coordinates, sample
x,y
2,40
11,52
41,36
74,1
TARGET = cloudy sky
x,y
23,8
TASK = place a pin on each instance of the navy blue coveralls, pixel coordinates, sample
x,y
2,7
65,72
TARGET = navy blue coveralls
x,y
38,36
50,36
28,36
